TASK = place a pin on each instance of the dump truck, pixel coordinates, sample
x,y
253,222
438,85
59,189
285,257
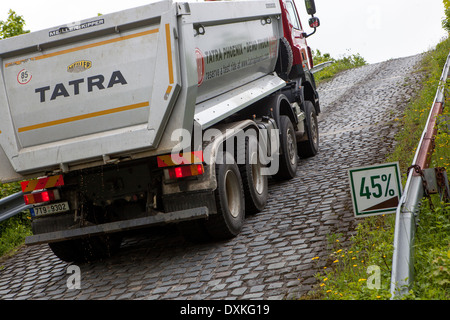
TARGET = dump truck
x,y
173,112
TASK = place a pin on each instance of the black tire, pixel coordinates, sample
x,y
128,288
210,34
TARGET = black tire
x,y
285,59
254,182
310,147
87,250
288,160
229,195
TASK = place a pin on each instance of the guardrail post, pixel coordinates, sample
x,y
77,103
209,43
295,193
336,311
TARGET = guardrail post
x,y
405,228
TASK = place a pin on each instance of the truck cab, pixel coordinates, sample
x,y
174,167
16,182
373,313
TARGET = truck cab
x,y
294,33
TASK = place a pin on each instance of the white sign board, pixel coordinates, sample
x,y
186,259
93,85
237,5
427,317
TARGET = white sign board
x,y
375,189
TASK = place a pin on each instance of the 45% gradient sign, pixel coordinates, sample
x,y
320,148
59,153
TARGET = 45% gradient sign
x,y
375,189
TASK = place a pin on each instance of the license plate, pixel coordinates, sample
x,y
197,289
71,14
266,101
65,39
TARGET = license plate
x,y
51,209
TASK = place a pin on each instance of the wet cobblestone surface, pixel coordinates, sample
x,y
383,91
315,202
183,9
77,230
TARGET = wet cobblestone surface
x,y
271,258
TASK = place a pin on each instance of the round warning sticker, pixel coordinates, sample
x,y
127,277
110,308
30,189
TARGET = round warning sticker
x,y
24,76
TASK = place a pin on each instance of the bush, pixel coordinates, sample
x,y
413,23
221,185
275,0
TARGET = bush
x,y
13,230
446,20
348,61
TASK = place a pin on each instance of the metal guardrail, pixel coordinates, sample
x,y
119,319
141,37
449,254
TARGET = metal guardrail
x,y
405,224
321,66
12,205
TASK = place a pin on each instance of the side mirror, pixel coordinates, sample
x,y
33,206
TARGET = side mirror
x,y
310,7
314,22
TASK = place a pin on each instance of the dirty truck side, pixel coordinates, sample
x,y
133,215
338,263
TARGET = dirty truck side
x,y
173,112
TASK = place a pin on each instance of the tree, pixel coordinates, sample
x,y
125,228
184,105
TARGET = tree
x,y
446,20
13,26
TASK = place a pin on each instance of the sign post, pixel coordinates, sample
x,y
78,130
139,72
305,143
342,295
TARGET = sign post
x,y
375,189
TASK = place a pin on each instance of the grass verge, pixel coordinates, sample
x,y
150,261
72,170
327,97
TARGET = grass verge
x,y
13,231
352,272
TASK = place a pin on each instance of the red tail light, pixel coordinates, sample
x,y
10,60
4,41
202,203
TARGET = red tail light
x,y
178,159
185,171
39,197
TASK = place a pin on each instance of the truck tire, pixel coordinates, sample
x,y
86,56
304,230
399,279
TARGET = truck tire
x,y
229,196
86,250
310,147
288,161
254,182
285,59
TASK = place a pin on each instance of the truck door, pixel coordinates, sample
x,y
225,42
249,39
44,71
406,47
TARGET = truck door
x,y
295,35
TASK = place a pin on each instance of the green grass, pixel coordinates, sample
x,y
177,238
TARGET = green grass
x,y
13,233
13,230
346,62
346,273
416,114
432,246
432,254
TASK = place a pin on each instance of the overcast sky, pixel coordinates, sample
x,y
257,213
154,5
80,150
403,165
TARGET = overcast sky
x,y
376,29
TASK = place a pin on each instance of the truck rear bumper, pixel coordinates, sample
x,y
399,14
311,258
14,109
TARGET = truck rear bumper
x,y
124,225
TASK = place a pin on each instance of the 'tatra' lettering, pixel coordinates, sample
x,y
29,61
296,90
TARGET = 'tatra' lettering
x,y
76,86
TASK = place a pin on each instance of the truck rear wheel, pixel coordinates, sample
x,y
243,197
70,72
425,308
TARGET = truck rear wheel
x,y
254,182
229,196
310,147
288,161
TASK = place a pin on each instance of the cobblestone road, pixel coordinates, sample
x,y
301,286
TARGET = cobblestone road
x,y
271,259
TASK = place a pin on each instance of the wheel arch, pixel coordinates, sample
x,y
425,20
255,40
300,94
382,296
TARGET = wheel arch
x,y
213,148
310,93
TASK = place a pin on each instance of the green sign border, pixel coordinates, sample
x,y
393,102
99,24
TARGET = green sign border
x,y
374,212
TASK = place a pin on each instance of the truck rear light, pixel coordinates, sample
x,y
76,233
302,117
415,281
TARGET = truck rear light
x,y
178,159
185,171
43,196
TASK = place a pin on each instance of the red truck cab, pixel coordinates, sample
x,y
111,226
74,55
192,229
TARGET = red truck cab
x,y
295,34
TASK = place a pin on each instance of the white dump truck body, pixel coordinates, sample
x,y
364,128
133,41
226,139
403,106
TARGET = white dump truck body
x,y
116,86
